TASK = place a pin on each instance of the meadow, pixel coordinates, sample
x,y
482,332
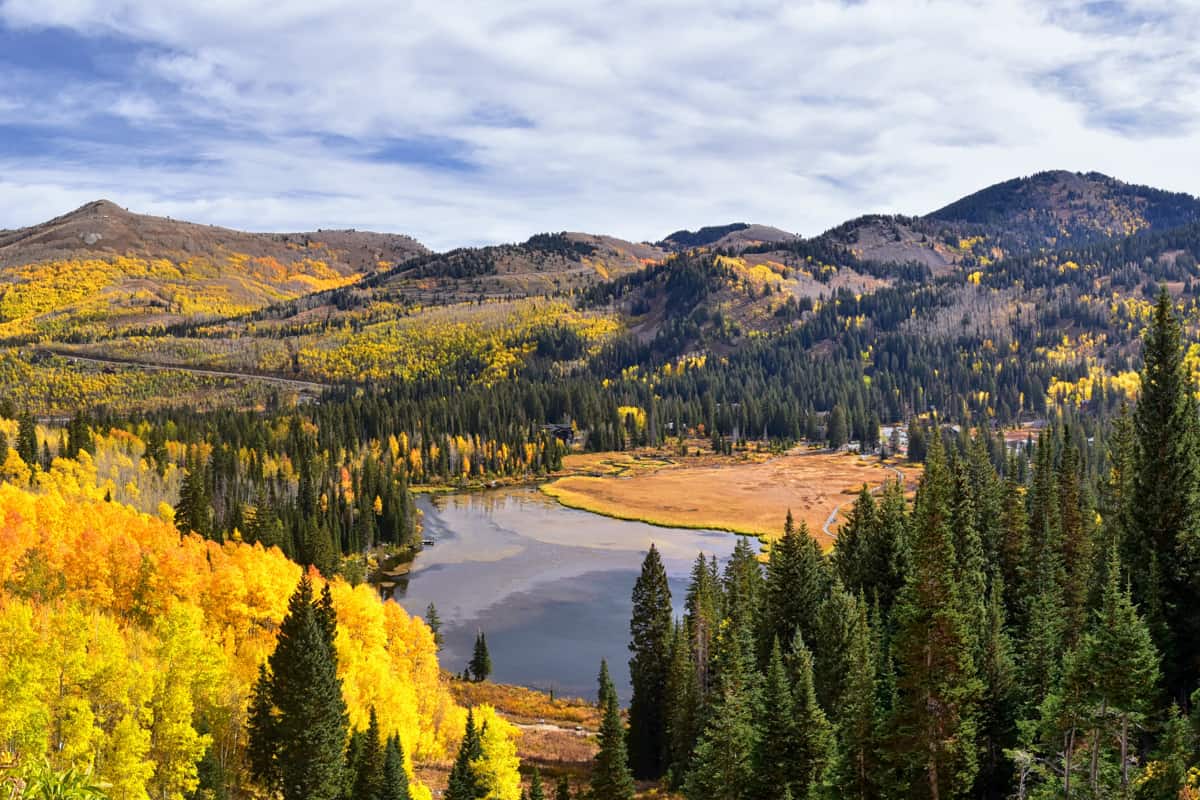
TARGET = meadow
x,y
750,495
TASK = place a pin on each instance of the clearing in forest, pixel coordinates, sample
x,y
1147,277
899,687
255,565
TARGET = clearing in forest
x,y
745,496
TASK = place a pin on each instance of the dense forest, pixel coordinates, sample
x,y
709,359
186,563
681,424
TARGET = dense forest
x,y
1025,627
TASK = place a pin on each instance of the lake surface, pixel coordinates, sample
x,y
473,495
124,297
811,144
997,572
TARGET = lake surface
x,y
549,586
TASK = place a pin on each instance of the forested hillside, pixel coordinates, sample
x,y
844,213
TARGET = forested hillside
x,y
210,446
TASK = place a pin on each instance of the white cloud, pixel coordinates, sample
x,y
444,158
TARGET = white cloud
x,y
631,118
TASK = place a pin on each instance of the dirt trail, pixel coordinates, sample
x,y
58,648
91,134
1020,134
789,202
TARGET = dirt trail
x,y
826,528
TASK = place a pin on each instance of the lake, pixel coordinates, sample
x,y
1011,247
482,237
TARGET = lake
x,y
549,586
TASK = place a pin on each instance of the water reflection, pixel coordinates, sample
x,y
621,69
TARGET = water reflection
x,y
550,586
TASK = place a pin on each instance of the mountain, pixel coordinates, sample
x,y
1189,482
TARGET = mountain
x,y
1050,207
103,265
734,236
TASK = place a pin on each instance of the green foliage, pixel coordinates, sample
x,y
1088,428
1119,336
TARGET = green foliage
x,y
298,745
650,630
611,778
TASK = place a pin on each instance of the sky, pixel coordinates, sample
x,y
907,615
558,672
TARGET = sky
x,y
471,123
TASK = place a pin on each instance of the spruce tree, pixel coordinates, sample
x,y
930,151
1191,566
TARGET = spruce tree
x,y
481,661
815,740
1165,506
369,779
611,778
682,707
798,579
536,791
775,761
835,621
464,783
435,626
937,686
650,631
702,615
262,735
563,790
855,775
309,725
723,762
395,779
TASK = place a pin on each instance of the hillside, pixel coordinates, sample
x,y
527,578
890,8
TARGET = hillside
x,y
102,267
263,314
1054,207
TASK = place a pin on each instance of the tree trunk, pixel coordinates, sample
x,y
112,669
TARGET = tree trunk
x,y
1125,752
1068,751
1094,772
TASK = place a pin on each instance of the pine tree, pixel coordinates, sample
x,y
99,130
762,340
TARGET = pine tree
x,y
1121,663
835,621
536,792
262,739
307,734
464,782
435,625
855,775
702,615
563,790
723,762
743,585
27,447
997,711
937,686
775,764
369,779
815,740
797,583
682,707
650,630
481,661
395,779
1165,506
611,779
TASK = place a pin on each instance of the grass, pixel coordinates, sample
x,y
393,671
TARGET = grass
x,y
743,496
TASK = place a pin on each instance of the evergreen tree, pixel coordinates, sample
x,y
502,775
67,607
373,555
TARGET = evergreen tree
x,y
998,706
682,707
723,762
563,790
611,778
307,732
395,779
702,615
775,762
536,792
27,447
856,773
262,739
481,661
815,740
369,778
435,625
797,583
937,686
835,622
464,783
837,432
1165,506
650,630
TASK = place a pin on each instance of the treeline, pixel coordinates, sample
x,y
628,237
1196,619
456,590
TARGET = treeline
x,y
1027,631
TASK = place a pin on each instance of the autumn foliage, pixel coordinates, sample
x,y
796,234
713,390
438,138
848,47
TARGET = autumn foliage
x,y
130,650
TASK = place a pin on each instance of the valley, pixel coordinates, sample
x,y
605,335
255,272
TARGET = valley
x,y
767,467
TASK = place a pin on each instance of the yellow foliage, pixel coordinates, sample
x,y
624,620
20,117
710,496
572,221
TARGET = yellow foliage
x,y
498,767
120,641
